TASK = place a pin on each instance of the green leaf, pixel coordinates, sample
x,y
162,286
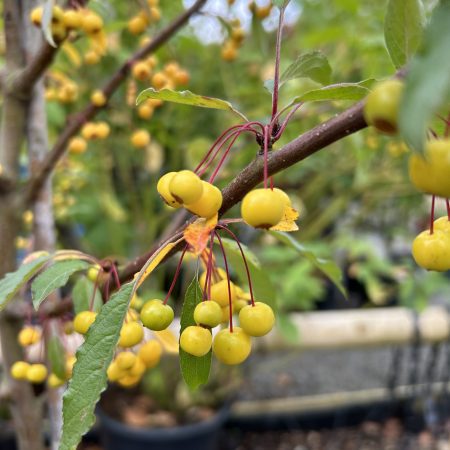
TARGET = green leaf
x,y
195,370
313,65
54,277
82,296
263,288
89,373
287,328
327,267
403,29
280,3
187,98
13,281
56,352
269,85
342,91
46,23
427,84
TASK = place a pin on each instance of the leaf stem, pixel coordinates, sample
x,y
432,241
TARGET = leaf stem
x,y
433,201
177,273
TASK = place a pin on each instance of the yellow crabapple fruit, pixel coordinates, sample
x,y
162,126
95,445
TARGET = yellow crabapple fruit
x,y
145,111
89,131
208,313
442,224
196,340
92,273
159,80
36,15
182,78
91,57
150,353
128,381
138,368
432,251
114,372
19,370
209,202
232,347
219,292
186,187
83,320
131,334
125,360
77,145
92,23
141,71
54,382
229,51
98,98
382,104
36,373
256,320
262,208
284,197
137,25
29,336
163,190
102,130
156,316
72,19
140,138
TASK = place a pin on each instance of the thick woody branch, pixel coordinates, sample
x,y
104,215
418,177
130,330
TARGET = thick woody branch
x,y
74,125
319,137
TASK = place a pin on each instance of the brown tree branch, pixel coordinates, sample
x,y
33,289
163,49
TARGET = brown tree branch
x,y
319,137
74,125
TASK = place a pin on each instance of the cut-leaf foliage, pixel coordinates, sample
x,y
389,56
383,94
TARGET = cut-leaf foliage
x,y
403,29
342,91
313,65
13,281
186,98
427,84
53,278
82,293
263,288
327,267
195,370
56,356
46,23
89,372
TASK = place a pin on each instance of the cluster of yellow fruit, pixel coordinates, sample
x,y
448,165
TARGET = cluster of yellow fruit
x,y
61,88
231,46
75,20
429,173
139,23
170,77
37,373
186,189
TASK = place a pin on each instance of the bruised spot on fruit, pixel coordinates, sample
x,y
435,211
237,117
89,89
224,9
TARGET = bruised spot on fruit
x,y
385,126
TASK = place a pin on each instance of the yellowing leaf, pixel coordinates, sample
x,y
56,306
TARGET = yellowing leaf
x,y
287,223
153,263
168,340
198,233
72,53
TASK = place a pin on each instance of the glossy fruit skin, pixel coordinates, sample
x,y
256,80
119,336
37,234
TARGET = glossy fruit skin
x,y
256,320
128,381
77,145
98,98
217,275
196,340
92,23
159,80
92,273
262,208
232,348
102,129
114,372
209,202
163,189
37,373
382,105
432,251
28,336
208,313
284,197
140,138
36,15
141,71
430,173
131,334
150,353
219,293
55,382
83,320
72,19
125,360
442,224
19,370
186,187
137,25
156,316
138,368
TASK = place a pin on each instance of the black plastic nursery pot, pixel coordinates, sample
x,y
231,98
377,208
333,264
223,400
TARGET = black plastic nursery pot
x,y
204,435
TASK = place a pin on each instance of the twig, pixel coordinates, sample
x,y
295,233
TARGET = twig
x,y
73,126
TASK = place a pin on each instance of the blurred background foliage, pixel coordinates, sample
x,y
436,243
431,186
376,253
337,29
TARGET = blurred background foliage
x,y
355,201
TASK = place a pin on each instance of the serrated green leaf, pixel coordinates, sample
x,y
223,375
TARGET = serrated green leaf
x,y
56,356
427,85
195,370
89,373
403,29
54,277
342,91
187,98
263,288
287,328
13,281
82,296
327,267
46,22
313,65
